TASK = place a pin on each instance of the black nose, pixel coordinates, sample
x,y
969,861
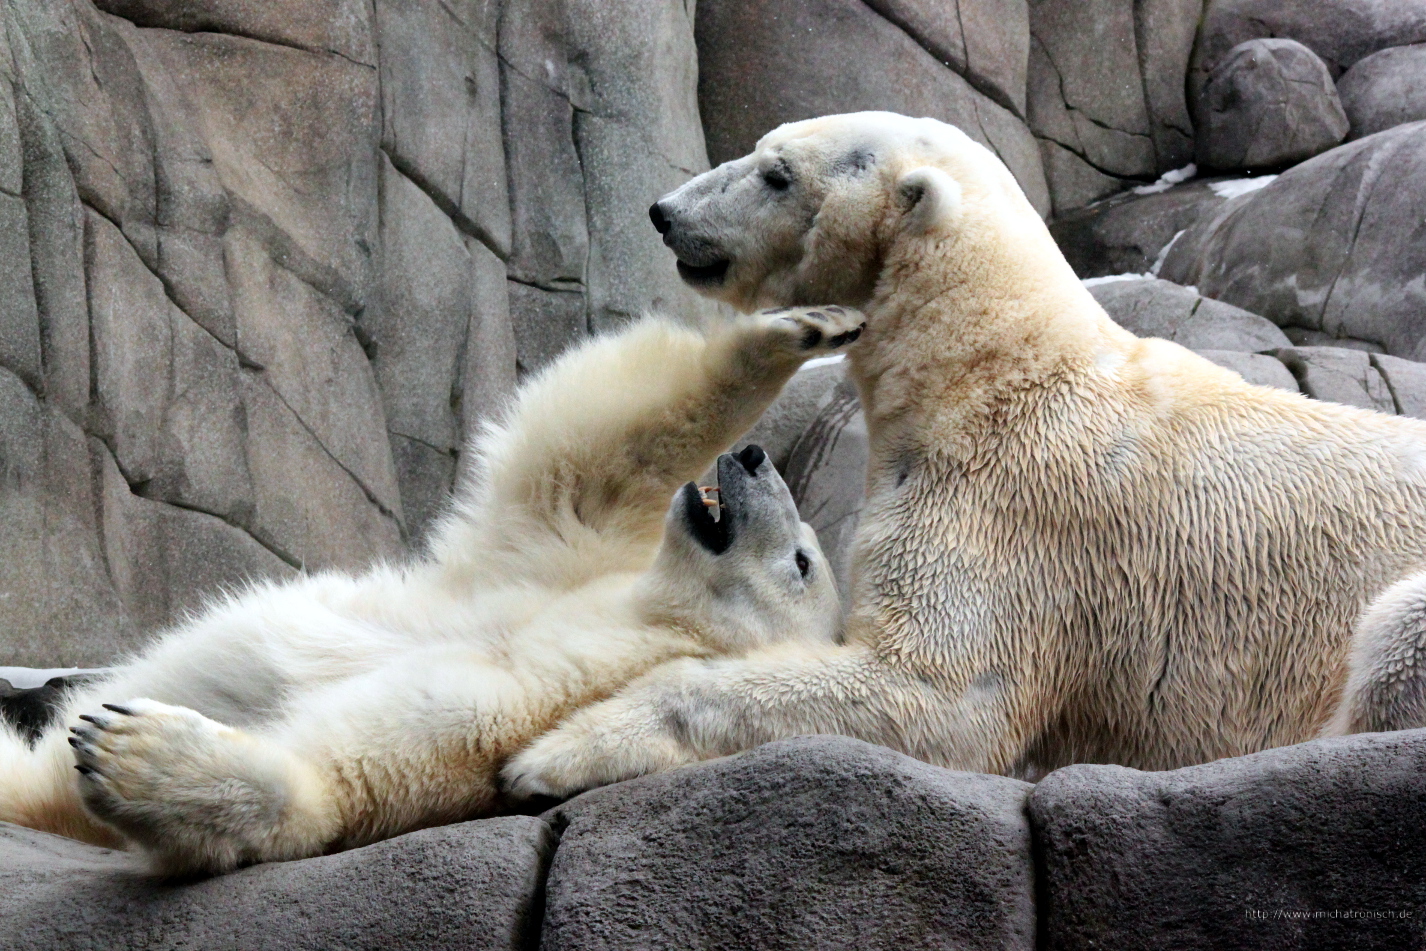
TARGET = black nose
x,y
751,457
660,220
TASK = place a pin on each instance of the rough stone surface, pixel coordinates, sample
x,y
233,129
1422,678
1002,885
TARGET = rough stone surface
x,y
765,63
1384,90
1259,368
256,269
1126,234
1406,380
1336,244
1154,308
1105,93
1338,375
1294,848
472,885
1268,103
801,400
818,842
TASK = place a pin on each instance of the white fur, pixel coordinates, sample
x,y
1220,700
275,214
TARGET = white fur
x,y
294,719
1077,545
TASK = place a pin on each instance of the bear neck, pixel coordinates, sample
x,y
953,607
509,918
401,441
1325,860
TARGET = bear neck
x,y
963,322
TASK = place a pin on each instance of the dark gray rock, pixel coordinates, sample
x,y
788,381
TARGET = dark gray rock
x,y
1302,337
1384,90
546,322
1268,103
473,885
1127,233
1154,308
763,63
1303,847
1338,375
1406,380
1258,368
1336,244
19,315
817,842
986,41
826,473
440,116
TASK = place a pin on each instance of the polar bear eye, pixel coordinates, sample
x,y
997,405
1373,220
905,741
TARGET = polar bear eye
x,y
777,178
804,564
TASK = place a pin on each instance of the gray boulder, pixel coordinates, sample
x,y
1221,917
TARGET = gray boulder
x,y
800,402
1341,32
765,62
1335,244
1127,233
1338,375
1406,380
472,885
1268,103
1310,846
1154,308
1258,368
817,842
1384,90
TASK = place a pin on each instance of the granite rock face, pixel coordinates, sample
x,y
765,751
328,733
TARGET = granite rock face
x,y
818,842
1153,308
265,266
471,885
1336,244
1384,90
1309,846
1268,103
1127,234
765,62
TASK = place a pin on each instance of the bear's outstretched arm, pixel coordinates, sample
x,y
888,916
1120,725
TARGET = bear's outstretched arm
x,y
577,479
692,710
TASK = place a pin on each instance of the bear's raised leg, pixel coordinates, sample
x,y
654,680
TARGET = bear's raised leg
x,y
1386,676
578,478
691,710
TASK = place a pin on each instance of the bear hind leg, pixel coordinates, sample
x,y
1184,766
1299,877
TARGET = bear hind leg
x,y
1386,679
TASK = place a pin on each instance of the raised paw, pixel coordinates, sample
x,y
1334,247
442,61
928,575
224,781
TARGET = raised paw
x,y
197,795
816,330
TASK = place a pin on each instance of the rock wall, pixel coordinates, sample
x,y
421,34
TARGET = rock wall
x,y
264,266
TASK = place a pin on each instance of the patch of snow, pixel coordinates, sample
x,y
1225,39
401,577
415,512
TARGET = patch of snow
x,y
1240,186
1164,254
1110,279
822,361
1168,180
28,678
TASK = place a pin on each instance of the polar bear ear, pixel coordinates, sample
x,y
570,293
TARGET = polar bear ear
x,y
929,197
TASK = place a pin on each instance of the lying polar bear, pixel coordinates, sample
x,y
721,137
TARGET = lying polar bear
x,y
1077,545
332,711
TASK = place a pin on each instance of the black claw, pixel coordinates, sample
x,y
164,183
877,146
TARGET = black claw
x,y
74,742
844,338
117,709
811,337
87,718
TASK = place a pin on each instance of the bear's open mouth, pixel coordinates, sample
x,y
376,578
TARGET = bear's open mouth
x,y
711,533
700,275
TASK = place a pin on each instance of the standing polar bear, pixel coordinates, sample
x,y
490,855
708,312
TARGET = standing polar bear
x,y
296,719
1077,545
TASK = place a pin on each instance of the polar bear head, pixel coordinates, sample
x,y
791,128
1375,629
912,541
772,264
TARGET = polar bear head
x,y
812,214
751,576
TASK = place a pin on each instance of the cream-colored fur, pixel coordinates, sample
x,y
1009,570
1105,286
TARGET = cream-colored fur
x,y
295,719
1078,545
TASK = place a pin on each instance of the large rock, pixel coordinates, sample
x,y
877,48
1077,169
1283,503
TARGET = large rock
x,y
1268,103
762,63
986,41
1258,368
818,842
1126,234
1154,308
1340,31
1384,90
1310,846
1338,375
472,885
1335,244
1106,93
